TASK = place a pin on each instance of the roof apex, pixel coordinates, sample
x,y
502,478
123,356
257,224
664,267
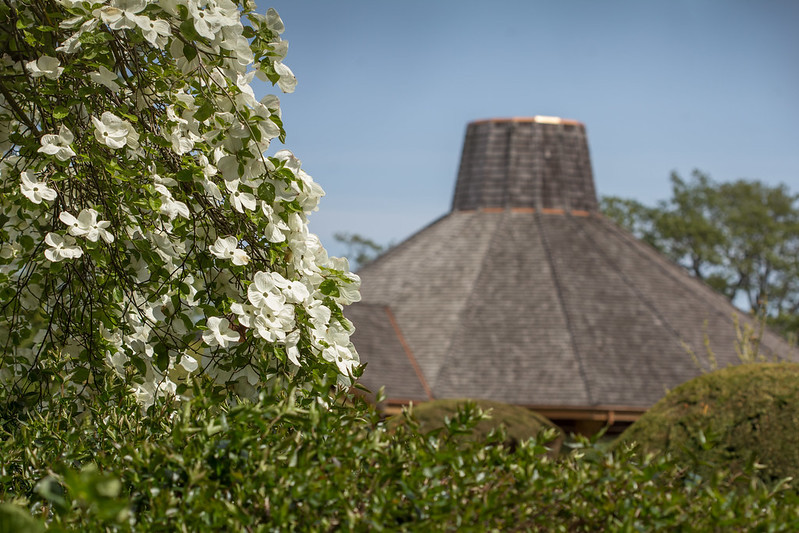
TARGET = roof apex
x,y
538,119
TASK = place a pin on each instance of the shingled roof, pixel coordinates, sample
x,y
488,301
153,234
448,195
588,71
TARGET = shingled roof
x,y
524,293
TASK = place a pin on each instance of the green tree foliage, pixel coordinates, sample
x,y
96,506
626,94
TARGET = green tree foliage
x,y
741,238
360,250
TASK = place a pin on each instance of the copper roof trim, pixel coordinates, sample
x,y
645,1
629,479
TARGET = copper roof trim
x,y
409,353
538,119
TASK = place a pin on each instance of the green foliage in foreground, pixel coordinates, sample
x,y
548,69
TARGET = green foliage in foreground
x,y
731,417
281,464
518,423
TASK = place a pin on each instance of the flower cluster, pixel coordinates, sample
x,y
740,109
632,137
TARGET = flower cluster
x,y
143,227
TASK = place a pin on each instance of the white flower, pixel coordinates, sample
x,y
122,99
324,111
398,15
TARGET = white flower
x,y
169,206
293,353
244,313
58,145
272,325
296,292
219,332
36,191
121,14
87,225
105,77
173,208
287,81
210,16
72,43
239,199
264,292
349,292
46,66
189,363
114,131
226,249
155,31
62,248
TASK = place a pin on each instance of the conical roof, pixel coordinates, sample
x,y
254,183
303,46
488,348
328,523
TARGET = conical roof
x,y
524,293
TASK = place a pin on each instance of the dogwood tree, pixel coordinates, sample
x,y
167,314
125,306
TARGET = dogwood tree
x,y
143,228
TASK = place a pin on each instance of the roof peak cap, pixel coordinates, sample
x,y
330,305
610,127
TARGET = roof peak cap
x,y
537,119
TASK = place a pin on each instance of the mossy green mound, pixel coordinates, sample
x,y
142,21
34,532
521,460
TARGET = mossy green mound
x,y
727,419
519,423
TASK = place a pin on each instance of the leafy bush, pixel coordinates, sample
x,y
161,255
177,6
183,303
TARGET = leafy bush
x,y
728,419
295,462
519,424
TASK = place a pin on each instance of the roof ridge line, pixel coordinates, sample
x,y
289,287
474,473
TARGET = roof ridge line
x,y
408,352
447,354
559,292
392,250
711,296
627,281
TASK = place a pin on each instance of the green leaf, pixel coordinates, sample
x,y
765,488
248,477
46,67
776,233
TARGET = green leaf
x,y
189,51
139,364
187,28
329,288
60,112
204,112
161,356
14,518
80,375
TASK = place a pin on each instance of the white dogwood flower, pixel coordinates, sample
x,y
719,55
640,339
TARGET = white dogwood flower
x,y
36,191
49,67
114,132
287,81
58,145
155,31
87,225
239,199
121,14
219,332
264,292
227,249
61,247
105,77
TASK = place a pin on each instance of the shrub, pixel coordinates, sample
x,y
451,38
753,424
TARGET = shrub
x,y
295,463
728,419
518,423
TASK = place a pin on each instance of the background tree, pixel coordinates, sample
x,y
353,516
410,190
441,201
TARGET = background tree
x,y
360,250
741,238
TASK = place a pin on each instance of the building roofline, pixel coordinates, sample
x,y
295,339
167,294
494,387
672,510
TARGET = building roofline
x,y
538,119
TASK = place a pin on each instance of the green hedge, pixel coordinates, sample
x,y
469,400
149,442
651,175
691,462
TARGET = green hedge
x,y
729,419
296,463
518,423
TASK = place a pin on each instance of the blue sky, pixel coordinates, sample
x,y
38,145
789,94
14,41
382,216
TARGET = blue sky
x,y
386,90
